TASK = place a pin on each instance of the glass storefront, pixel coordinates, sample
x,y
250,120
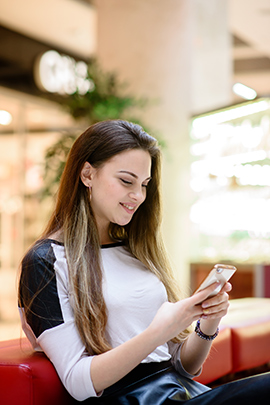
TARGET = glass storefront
x,y
230,179
34,125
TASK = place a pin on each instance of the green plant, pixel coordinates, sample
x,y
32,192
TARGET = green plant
x,y
105,100
55,160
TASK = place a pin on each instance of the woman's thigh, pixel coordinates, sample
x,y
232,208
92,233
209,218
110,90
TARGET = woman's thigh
x,y
168,388
252,390
155,389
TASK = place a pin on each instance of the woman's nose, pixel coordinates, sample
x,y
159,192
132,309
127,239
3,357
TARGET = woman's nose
x,y
138,194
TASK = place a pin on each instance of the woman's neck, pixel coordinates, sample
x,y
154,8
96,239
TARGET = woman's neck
x,y
106,240
104,235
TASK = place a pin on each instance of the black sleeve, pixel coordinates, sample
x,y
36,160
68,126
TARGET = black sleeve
x,y
38,289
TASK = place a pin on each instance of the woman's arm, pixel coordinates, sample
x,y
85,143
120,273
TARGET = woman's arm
x,y
108,368
170,320
195,349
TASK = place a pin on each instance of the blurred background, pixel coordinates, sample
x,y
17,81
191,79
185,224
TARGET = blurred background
x,y
195,73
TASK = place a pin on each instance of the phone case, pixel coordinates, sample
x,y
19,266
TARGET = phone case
x,y
221,273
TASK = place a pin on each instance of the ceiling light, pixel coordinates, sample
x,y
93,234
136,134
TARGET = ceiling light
x,y
5,117
244,91
202,125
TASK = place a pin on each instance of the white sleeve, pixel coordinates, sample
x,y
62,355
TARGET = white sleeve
x,y
63,346
50,322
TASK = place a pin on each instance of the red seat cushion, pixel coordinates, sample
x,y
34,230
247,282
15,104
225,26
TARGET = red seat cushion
x,y
249,319
251,345
28,377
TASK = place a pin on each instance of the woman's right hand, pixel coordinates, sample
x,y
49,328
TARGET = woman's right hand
x,y
170,320
173,318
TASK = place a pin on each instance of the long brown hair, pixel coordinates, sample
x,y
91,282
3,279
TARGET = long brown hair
x,y
74,217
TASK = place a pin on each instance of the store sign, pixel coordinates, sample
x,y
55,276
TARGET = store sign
x,y
61,74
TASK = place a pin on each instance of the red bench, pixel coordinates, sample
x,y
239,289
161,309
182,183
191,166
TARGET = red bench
x,y
29,378
249,320
246,345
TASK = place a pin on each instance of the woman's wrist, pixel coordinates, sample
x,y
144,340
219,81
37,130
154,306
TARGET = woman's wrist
x,y
209,326
203,335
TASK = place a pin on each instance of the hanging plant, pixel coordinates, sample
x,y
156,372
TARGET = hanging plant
x,y
105,100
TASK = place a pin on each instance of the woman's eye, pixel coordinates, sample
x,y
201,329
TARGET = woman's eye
x,y
126,181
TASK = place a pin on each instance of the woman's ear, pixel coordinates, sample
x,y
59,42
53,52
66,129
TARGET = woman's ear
x,y
87,174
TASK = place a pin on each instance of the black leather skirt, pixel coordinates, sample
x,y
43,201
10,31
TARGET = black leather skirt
x,y
150,384
160,384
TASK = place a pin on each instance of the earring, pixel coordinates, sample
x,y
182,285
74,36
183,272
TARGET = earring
x,y
90,192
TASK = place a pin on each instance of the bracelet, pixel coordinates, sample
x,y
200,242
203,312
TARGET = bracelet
x,y
203,335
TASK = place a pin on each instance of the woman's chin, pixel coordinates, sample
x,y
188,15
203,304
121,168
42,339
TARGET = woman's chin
x,y
122,222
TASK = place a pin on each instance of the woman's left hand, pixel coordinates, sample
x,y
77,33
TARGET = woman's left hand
x,y
195,350
216,307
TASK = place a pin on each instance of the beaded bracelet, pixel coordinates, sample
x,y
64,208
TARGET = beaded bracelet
x,y
203,335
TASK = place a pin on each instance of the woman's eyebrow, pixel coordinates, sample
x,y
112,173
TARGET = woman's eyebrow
x,y
133,174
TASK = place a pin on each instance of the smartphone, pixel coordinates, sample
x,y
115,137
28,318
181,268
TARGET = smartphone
x,y
221,273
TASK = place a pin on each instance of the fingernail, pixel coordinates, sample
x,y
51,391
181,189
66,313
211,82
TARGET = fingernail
x,y
206,311
204,305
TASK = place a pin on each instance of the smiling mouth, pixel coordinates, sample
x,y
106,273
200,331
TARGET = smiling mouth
x,y
128,207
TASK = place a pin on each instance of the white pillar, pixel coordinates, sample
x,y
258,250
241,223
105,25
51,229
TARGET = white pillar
x,y
211,57
155,46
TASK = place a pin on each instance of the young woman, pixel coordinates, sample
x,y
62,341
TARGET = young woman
x,y
97,294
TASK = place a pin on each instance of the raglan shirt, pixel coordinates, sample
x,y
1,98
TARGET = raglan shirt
x,y
132,295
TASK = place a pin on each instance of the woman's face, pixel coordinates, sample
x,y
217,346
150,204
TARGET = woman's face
x,y
118,188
